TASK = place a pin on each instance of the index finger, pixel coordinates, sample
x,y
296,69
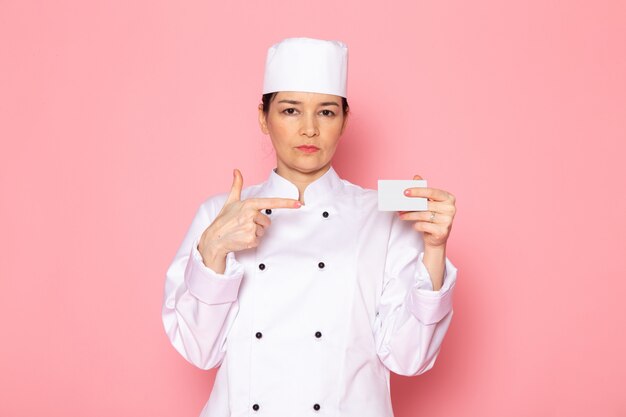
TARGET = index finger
x,y
265,203
432,193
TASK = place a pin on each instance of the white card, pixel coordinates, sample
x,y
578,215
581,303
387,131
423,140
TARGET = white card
x,y
391,196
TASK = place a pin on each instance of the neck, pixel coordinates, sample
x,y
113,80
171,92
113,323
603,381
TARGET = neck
x,y
300,179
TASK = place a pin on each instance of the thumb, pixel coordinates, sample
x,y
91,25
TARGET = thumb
x,y
417,177
235,190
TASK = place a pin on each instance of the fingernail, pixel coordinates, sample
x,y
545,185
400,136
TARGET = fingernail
x,y
407,192
298,204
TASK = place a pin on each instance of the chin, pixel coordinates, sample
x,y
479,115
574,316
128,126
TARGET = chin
x,y
308,166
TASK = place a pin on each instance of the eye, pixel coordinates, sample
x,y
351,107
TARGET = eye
x,y
327,112
290,111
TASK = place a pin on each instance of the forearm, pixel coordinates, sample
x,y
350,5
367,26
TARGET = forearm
x,y
435,262
199,307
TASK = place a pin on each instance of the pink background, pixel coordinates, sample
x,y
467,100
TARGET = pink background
x,y
117,119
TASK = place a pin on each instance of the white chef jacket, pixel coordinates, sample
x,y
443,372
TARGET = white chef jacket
x,y
311,321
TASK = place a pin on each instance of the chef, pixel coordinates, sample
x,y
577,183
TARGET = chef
x,y
299,289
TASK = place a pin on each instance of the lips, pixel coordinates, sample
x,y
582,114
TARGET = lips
x,y
308,148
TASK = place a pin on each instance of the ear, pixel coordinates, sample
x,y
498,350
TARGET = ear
x,y
262,120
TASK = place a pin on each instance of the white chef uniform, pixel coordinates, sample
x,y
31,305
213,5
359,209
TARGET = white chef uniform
x,y
311,321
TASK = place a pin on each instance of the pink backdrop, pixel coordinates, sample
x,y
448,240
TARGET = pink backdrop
x,y
118,118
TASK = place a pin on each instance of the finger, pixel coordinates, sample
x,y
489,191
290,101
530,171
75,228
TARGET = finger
x,y
417,177
437,231
235,190
433,193
436,206
262,219
265,203
440,218
441,207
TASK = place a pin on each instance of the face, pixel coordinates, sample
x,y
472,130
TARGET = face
x,y
304,128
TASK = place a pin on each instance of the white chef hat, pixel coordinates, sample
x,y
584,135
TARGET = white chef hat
x,y
307,64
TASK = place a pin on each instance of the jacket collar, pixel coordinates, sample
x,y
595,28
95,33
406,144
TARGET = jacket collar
x,y
317,191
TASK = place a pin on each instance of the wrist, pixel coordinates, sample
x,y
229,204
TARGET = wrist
x,y
211,250
435,250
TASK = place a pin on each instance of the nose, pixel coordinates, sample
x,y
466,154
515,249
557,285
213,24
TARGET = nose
x,y
309,126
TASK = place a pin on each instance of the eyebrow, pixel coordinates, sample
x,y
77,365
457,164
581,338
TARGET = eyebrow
x,y
326,103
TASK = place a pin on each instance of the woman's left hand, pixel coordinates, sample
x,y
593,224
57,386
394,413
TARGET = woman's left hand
x,y
436,223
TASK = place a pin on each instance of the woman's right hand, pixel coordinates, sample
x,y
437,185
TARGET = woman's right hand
x,y
238,225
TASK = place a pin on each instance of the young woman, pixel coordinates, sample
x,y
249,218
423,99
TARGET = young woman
x,y
300,291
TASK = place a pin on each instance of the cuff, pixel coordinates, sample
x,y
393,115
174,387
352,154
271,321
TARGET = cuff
x,y
209,286
427,305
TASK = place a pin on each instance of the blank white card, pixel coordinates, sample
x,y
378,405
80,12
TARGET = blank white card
x,y
391,196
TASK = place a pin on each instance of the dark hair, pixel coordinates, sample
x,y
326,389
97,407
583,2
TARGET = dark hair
x,y
267,99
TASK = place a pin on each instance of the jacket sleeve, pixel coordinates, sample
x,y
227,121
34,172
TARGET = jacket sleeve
x,y
200,305
411,319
